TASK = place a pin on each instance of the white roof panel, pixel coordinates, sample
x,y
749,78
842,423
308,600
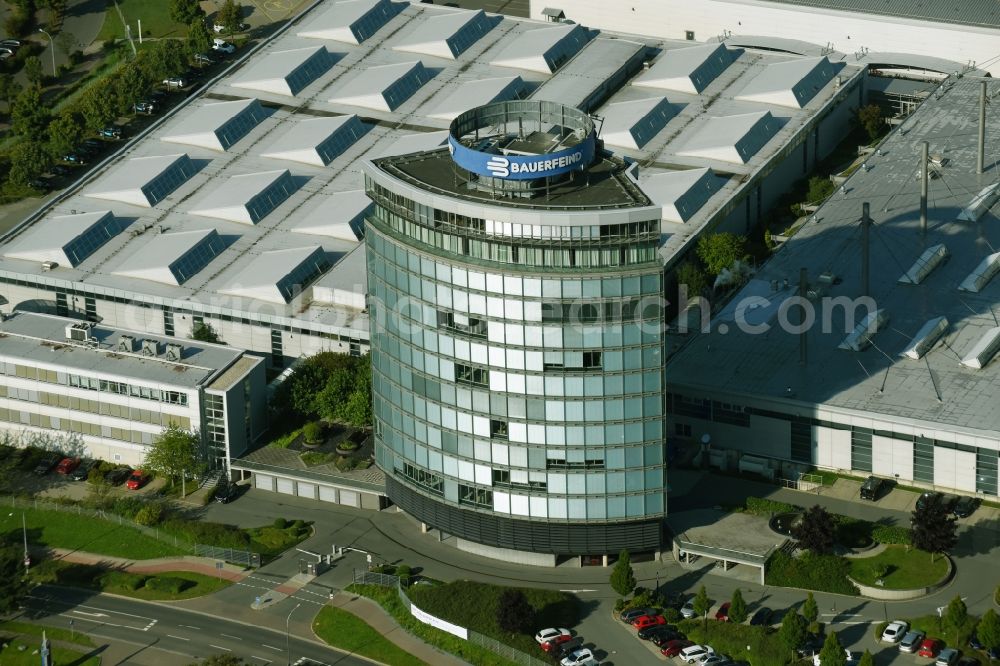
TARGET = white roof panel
x,y
352,21
985,271
980,203
687,70
680,193
543,49
317,141
984,350
143,181
415,143
384,87
861,336
66,239
478,92
346,283
447,35
792,83
247,198
286,72
732,138
925,338
930,259
278,276
634,124
340,215
172,258
217,125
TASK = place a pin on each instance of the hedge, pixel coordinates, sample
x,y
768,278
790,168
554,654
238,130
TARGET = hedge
x,y
760,506
823,573
892,534
168,584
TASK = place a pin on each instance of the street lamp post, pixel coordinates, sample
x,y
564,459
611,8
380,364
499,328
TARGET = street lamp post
x,y
52,48
24,531
288,645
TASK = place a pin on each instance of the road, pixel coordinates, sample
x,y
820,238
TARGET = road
x,y
175,629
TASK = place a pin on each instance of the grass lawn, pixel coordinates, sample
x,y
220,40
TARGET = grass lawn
x,y
934,627
474,606
167,586
388,599
53,633
908,568
155,17
58,529
733,639
22,651
348,632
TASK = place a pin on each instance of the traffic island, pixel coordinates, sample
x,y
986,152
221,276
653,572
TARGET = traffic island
x,y
900,572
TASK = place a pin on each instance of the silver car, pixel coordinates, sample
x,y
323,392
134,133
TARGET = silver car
x,y
911,641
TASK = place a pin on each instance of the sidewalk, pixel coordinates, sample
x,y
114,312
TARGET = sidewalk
x,y
383,623
189,563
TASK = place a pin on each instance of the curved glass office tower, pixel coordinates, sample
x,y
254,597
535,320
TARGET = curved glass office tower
x,y
517,345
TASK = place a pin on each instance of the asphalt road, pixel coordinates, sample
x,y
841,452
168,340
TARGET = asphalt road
x,y
176,630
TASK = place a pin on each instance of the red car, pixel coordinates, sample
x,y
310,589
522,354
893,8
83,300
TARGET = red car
x,y
554,643
67,465
673,648
930,647
137,480
644,621
722,615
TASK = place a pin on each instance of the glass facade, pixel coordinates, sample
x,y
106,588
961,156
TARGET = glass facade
x,y
510,385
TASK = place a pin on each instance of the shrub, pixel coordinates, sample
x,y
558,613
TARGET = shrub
x,y
824,573
404,572
298,524
620,605
149,515
672,615
127,506
211,534
853,533
123,580
892,534
760,506
168,584
312,431
280,523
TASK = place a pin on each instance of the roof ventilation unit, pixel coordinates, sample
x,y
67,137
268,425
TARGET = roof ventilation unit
x,y
862,335
925,264
150,347
926,338
984,272
980,203
126,343
828,278
78,332
983,351
174,351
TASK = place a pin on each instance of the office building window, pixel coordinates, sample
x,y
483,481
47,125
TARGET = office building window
x,y
923,460
861,449
801,439
475,496
472,376
986,471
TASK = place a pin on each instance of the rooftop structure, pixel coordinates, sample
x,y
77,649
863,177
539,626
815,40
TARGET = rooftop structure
x,y
340,215
688,70
67,239
143,181
478,92
172,258
732,138
217,125
448,35
791,83
543,50
286,72
318,141
634,124
351,22
384,87
247,198
278,276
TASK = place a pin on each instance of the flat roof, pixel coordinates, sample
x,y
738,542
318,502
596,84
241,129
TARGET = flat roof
x,y
935,391
963,12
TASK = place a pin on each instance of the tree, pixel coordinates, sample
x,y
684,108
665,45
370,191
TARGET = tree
x,y
933,528
9,89
99,104
737,608
199,39
956,615
718,251
165,58
65,132
816,531
832,653
186,11
702,604
866,659
203,332
28,160
33,70
514,614
357,409
174,453
870,118
13,585
689,274
810,610
819,189
793,630
29,116
131,84
988,629
229,16
622,576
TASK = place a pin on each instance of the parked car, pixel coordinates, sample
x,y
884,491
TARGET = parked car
x,y
930,647
46,463
649,632
628,615
581,657
174,82
74,158
146,107
111,132
240,27
225,493
674,648
546,635
928,498
67,465
722,615
848,657
694,653
137,480
687,610
761,617
947,657
949,502
10,44
203,59
568,648
662,638
644,621
223,47
872,488
715,660
911,641
552,644
118,475
966,506
83,470
895,631
60,170
975,643
809,647
94,144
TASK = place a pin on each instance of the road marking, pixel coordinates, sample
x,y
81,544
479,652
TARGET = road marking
x,y
188,626
266,661
90,614
180,638
219,647
272,647
230,636
577,591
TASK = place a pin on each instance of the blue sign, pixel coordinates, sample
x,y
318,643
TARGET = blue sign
x,y
523,167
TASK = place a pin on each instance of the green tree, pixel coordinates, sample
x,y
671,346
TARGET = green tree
x,y
866,659
229,16
186,11
28,160
719,251
810,610
737,608
702,604
819,189
816,530
793,630
165,58
357,409
832,653
29,116
203,332
988,629
65,132
174,453
689,274
870,118
131,84
514,614
13,585
199,39
33,70
622,575
99,104
956,615
9,89
934,530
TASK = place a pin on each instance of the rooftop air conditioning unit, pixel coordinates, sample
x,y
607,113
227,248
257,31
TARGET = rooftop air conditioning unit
x,y
49,265
827,278
126,343
78,332
150,347
174,351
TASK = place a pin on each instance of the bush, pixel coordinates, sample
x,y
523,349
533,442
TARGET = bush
x,y
167,584
853,533
123,580
18,23
127,506
404,572
620,604
280,523
313,431
824,573
892,534
672,615
149,515
208,533
760,506
298,525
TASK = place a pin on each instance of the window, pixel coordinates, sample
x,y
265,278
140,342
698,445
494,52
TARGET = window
x,y
460,323
475,496
682,429
90,307
923,460
168,323
62,304
986,471
801,440
861,449
689,35
424,479
471,375
737,415
694,407
592,462
498,429
277,353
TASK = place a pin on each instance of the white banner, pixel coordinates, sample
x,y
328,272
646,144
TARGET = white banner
x,y
437,622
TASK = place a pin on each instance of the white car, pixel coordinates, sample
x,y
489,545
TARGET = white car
x,y
223,46
546,635
849,658
714,659
580,657
895,631
687,610
695,653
